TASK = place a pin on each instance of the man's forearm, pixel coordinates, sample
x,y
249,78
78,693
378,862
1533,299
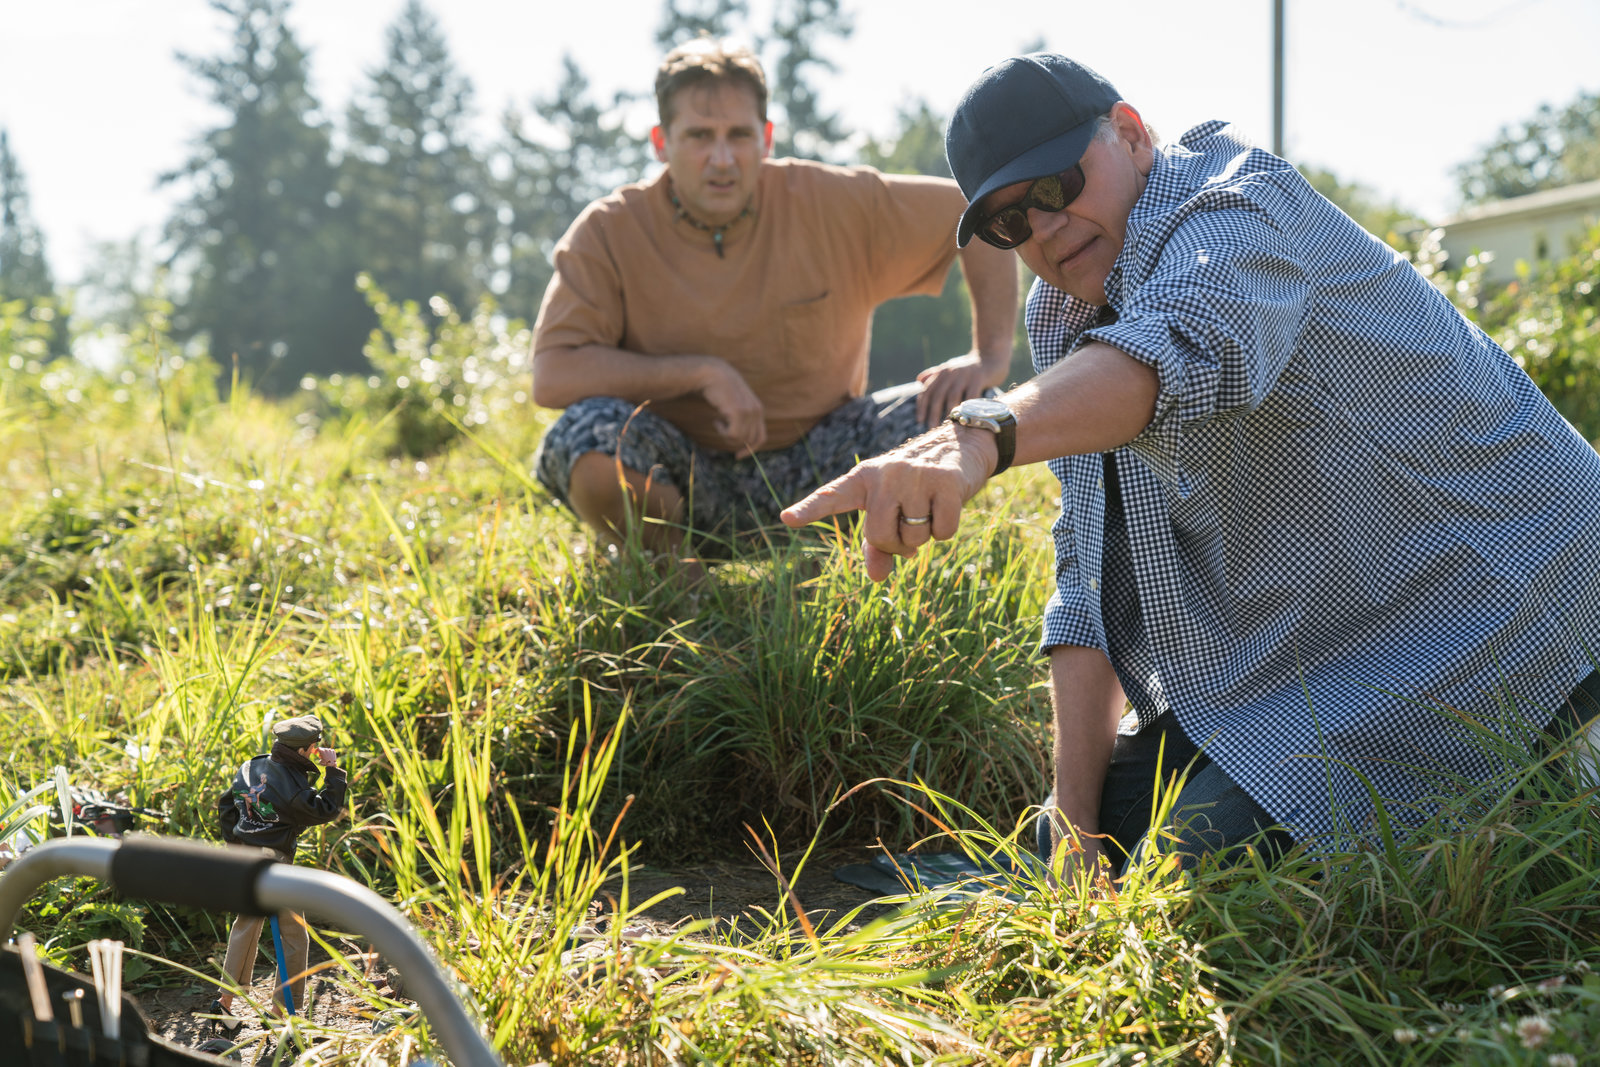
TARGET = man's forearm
x,y
1088,702
1096,400
992,284
564,376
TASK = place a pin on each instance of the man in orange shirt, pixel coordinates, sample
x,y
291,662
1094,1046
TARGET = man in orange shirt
x,y
707,331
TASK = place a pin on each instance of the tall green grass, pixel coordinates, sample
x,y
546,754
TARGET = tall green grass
x,y
525,722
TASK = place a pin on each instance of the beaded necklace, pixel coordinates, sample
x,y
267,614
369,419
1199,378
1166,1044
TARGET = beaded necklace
x,y
716,232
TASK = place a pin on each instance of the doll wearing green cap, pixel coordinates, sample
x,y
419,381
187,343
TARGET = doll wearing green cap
x,y
272,799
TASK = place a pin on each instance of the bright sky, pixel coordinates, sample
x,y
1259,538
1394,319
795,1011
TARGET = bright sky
x,y
1391,93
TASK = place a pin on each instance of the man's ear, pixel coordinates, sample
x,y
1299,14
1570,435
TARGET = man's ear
x,y
1130,128
766,139
658,139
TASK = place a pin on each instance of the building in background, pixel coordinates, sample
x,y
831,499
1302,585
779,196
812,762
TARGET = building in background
x,y
1539,226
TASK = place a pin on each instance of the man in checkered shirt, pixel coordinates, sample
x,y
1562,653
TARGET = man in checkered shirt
x,y
1315,526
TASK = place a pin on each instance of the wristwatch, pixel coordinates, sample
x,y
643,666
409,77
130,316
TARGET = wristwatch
x,y
994,416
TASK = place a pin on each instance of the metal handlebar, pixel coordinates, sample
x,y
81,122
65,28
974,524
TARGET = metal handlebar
x,y
180,871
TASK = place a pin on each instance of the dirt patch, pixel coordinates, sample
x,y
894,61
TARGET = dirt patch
x,y
745,892
183,1015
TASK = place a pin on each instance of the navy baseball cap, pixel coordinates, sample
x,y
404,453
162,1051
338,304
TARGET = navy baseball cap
x,y
1027,117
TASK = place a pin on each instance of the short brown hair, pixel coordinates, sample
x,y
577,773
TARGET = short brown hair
x,y
705,61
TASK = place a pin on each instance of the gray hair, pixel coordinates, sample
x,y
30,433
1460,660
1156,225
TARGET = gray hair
x,y
1104,130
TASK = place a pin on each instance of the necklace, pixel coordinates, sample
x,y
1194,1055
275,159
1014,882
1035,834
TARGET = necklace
x,y
716,232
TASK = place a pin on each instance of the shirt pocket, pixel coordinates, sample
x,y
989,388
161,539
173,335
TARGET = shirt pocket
x,y
805,334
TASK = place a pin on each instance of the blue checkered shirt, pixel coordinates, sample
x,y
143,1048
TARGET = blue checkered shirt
x,y
1350,510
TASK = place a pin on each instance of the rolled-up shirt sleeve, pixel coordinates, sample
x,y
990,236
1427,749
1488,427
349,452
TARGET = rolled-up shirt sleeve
x,y
912,222
1218,318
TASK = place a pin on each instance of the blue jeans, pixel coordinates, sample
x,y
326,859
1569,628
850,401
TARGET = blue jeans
x,y
1212,814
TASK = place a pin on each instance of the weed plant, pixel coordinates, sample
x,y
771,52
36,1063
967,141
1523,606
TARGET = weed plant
x,y
525,722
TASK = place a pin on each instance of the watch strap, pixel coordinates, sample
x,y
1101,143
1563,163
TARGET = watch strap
x,y
1006,442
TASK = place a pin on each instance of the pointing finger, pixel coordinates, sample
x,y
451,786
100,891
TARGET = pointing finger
x,y
837,497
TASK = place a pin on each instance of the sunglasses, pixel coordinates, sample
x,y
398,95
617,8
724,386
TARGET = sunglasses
x,y
1008,227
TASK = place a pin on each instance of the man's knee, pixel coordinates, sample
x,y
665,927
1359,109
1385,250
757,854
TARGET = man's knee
x,y
597,476
612,500
1226,825
599,438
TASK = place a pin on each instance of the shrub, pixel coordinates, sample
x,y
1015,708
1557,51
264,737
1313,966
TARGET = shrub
x,y
432,374
1548,320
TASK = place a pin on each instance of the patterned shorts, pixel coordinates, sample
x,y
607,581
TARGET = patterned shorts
x,y
727,495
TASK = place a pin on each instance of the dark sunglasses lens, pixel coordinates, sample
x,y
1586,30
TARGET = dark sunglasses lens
x,y
1006,228
1070,182
1046,194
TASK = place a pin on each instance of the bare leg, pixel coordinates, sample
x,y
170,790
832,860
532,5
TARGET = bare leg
x,y
612,499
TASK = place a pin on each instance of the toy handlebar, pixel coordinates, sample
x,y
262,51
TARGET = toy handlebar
x,y
252,881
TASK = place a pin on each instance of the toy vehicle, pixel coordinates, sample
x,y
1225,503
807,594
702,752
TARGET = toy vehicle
x,y
73,1031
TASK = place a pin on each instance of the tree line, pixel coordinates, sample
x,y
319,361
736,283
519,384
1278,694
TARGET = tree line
x,y
284,205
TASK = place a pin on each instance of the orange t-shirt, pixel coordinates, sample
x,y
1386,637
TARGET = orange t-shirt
x,y
790,306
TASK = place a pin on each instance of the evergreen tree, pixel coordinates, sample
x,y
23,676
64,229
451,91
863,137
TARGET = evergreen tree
x,y
917,147
1552,149
572,151
257,234
798,27
24,271
118,285
684,20
419,189
916,332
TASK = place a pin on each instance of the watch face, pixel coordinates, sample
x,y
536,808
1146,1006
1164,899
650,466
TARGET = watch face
x,y
983,408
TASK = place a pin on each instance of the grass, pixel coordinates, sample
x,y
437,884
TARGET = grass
x,y
524,722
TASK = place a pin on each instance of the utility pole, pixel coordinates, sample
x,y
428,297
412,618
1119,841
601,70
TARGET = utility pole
x,y
1277,77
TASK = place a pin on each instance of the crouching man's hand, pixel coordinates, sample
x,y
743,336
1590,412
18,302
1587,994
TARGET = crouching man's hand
x,y
911,495
948,384
1075,855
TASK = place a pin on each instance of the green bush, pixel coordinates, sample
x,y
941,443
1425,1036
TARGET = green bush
x,y
762,693
1548,320
433,374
